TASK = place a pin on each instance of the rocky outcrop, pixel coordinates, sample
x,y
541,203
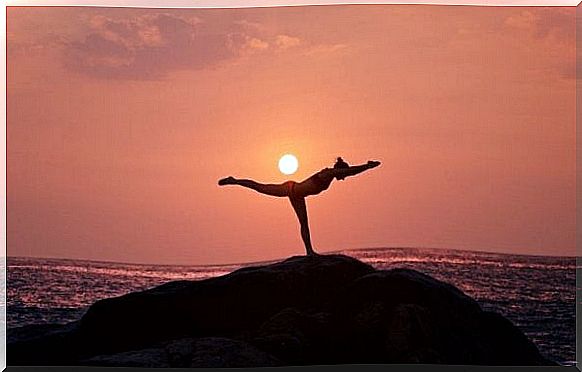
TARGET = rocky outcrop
x,y
326,309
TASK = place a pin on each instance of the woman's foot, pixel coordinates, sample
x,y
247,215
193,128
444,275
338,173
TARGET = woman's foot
x,y
227,181
312,253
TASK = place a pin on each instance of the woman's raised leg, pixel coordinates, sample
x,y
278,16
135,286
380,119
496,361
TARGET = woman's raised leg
x,y
279,190
300,208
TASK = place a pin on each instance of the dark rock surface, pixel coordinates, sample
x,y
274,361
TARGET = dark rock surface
x,y
188,353
326,309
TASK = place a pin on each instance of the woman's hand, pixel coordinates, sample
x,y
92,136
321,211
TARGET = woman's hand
x,y
373,164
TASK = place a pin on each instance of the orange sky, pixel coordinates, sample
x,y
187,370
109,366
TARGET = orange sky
x,y
120,122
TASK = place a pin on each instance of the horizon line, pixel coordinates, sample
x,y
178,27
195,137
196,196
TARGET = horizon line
x,y
284,258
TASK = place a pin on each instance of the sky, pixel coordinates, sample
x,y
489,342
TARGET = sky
x,y
120,121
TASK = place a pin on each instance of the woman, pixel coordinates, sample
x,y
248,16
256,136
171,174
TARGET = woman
x,y
297,192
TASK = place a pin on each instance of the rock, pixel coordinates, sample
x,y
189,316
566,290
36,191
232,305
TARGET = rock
x,y
225,353
206,308
35,332
190,353
513,348
410,337
404,316
146,358
299,337
53,346
326,309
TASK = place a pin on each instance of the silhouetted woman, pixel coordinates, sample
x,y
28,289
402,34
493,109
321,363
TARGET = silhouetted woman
x,y
298,191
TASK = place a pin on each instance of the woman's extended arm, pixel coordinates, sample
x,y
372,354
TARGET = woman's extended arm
x,y
341,173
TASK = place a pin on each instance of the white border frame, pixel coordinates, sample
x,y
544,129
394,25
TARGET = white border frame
x,y
182,4
271,3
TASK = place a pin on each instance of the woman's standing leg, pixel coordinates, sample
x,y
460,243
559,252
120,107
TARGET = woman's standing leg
x,y
300,208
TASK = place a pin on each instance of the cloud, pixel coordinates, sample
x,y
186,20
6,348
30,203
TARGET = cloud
x,y
556,23
554,30
286,41
152,46
31,47
326,49
149,47
257,44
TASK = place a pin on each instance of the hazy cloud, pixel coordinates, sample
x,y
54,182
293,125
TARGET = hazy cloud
x,y
326,48
150,46
544,23
286,41
555,29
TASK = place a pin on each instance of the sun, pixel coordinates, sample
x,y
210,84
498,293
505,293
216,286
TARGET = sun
x,y
288,164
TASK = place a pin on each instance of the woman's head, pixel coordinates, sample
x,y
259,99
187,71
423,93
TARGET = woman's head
x,y
340,163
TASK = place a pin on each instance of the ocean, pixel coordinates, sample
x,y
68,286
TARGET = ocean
x,y
536,293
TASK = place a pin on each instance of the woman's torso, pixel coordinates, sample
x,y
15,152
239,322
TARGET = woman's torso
x,y
315,184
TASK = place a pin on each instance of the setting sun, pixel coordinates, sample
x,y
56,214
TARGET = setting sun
x,y
288,164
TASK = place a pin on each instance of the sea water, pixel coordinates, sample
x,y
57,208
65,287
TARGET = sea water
x,y
537,293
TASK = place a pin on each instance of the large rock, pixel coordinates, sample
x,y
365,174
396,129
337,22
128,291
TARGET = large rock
x,y
304,310
190,353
